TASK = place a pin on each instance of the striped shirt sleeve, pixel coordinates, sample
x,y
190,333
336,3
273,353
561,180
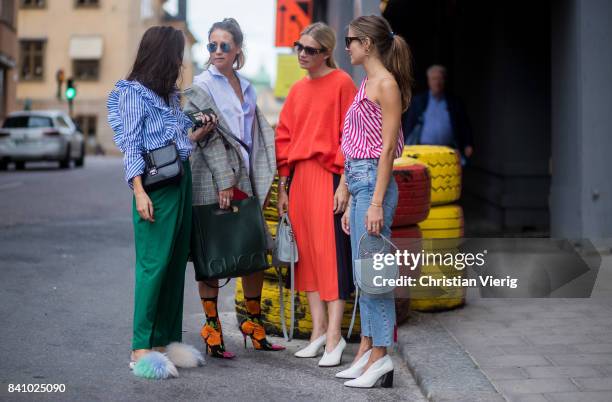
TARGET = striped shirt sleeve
x,y
132,111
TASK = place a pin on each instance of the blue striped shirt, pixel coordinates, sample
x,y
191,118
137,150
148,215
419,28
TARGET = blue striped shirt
x,y
143,121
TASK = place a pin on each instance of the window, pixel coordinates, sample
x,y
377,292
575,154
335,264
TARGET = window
x,y
61,122
28,122
33,3
7,14
86,3
86,70
32,54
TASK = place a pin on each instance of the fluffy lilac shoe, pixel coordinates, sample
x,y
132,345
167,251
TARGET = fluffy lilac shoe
x,y
184,356
155,366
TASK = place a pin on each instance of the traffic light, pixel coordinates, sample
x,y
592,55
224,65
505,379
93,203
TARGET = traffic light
x,y
70,89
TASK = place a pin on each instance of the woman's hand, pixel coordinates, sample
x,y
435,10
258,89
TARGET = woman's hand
x,y
144,206
283,201
374,220
210,122
225,196
341,198
346,218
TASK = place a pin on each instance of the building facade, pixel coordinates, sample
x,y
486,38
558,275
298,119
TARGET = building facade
x,y
92,42
8,56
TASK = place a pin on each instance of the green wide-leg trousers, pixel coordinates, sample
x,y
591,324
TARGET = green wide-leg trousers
x,y
162,249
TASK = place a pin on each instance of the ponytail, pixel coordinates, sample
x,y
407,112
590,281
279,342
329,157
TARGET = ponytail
x,y
398,60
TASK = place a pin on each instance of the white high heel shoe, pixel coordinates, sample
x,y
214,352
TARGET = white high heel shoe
x,y
312,349
356,369
381,369
334,357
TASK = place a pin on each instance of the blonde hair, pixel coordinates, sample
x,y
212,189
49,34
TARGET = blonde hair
x,y
393,50
326,37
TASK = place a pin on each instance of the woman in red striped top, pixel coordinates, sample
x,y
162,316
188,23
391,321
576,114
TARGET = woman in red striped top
x,y
371,139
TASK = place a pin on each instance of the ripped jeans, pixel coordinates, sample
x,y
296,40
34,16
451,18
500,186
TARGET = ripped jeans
x,y
377,312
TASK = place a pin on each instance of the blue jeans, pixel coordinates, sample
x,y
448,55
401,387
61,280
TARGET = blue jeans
x,y
377,312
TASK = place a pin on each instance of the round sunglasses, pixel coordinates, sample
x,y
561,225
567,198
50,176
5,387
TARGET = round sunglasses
x,y
310,51
225,47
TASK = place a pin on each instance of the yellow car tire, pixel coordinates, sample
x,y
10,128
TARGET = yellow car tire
x,y
443,217
442,232
437,298
444,167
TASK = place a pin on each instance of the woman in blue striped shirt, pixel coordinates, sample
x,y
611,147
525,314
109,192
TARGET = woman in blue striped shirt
x,y
144,112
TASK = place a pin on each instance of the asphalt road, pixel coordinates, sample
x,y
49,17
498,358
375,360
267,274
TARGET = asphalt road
x,y
66,289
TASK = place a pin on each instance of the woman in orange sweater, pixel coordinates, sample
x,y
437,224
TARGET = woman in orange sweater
x,y
308,150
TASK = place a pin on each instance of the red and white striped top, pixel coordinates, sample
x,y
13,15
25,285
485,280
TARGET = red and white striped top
x,y
362,132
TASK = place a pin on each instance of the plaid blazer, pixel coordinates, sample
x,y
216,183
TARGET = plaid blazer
x,y
217,162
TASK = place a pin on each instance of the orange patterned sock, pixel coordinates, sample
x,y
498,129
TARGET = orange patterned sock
x,y
253,306
209,304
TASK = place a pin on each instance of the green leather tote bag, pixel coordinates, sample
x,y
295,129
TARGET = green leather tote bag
x,y
228,243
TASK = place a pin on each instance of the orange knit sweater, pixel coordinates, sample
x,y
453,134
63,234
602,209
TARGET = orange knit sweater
x,y
310,123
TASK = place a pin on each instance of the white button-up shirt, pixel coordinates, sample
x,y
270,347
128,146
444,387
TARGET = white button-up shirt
x,y
239,117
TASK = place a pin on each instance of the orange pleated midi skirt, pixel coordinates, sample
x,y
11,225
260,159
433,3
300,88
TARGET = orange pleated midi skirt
x,y
324,252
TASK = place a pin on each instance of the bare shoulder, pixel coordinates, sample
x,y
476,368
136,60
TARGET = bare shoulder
x,y
387,84
387,90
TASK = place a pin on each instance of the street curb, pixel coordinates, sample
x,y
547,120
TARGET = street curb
x,y
440,366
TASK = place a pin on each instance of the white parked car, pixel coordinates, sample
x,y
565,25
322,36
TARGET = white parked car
x,y
42,135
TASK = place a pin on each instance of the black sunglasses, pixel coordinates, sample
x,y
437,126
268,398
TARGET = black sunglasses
x,y
349,39
311,51
225,47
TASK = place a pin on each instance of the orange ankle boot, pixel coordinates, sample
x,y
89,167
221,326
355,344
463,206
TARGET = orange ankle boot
x,y
211,332
253,328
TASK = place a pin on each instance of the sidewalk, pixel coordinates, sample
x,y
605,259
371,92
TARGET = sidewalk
x,y
516,349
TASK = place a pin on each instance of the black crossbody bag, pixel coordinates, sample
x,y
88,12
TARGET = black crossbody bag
x,y
163,167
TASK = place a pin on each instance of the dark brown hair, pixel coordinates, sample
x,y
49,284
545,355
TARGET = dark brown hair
x,y
159,60
393,50
231,25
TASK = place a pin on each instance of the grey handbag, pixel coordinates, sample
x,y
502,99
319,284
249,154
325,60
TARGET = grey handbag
x,y
368,275
285,248
285,252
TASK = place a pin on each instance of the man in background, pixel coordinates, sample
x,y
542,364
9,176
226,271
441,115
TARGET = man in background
x,y
438,118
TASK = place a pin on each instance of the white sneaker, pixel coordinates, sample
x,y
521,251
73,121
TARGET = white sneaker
x,y
356,369
381,369
312,349
334,357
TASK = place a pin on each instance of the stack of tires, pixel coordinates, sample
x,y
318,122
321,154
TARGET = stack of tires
x,y
270,307
414,193
442,229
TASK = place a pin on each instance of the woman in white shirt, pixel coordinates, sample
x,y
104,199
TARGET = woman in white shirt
x,y
236,100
